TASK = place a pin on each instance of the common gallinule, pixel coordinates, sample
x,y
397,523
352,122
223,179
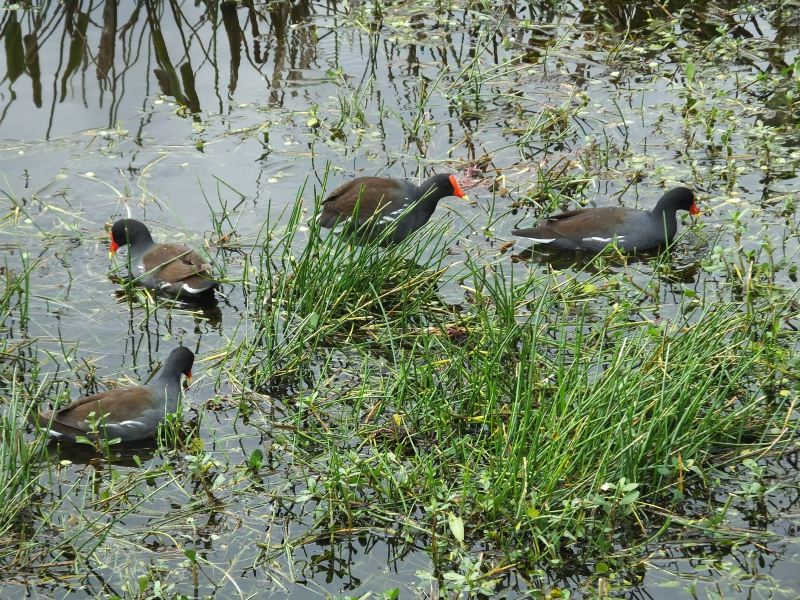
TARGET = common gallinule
x,y
131,414
631,229
170,268
371,204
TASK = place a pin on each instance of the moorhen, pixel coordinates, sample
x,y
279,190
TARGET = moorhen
x,y
170,268
371,204
131,414
630,229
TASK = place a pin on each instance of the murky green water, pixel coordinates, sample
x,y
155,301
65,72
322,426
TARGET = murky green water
x,y
183,114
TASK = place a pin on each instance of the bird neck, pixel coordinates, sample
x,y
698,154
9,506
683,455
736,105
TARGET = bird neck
x,y
142,244
667,219
168,388
432,192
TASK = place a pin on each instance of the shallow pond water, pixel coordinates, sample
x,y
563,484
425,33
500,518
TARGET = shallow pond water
x,y
207,120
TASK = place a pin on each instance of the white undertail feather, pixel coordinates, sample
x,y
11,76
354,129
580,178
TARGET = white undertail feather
x,y
190,289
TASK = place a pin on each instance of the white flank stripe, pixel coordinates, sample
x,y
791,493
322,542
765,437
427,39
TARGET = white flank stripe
x,y
391,217
619,238
191,290
129,423
542,240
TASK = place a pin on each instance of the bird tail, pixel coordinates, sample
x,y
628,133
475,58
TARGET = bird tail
x,y
528,232
55,428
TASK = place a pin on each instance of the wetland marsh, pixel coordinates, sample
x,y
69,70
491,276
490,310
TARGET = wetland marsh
x,y
459,414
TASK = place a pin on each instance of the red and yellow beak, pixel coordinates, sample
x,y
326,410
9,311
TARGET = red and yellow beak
x,y
694,209
114,245
189,378
457,191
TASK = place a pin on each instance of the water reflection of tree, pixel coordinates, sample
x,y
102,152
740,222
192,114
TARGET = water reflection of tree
x,y
175,42
278,40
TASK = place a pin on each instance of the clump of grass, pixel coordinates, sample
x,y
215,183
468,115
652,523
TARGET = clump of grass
x,y
330,291
19,460
543,423
15,298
